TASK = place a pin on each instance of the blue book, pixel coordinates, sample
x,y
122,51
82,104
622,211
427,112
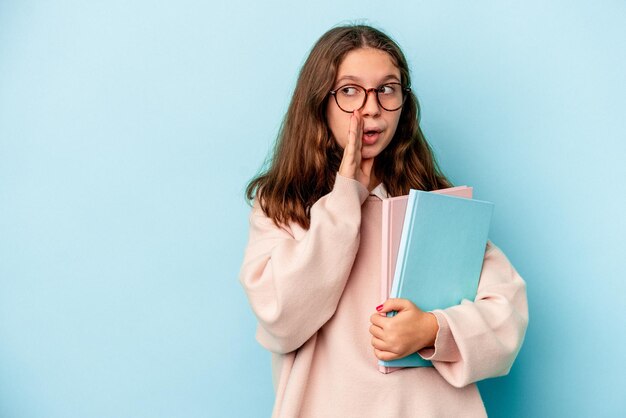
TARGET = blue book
x,y
440,255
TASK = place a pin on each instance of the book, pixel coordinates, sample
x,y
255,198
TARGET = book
x,y
435,257
393,210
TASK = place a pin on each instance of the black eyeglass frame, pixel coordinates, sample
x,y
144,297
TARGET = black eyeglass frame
x,y
405,92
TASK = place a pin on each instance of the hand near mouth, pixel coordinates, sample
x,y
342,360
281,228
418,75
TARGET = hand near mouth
x,y
352,165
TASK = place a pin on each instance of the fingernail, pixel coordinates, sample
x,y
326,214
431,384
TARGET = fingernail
x,y
379,307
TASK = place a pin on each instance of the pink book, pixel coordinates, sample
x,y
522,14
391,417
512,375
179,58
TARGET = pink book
x,y
392,222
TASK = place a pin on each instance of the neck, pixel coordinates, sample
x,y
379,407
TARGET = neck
x,y
373,181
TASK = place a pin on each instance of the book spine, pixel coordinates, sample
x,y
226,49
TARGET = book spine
x,y
405,241
386,250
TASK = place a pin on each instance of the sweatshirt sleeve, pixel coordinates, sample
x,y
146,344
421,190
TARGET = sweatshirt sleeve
x,y
294,285
480,339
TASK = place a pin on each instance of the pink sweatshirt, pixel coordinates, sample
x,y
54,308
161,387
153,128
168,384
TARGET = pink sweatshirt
x,y
313,292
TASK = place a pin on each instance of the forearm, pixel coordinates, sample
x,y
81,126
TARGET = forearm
x,y
294,285
431,327
481,338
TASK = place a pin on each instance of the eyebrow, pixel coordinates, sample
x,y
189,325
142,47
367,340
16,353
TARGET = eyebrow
x,y
357,79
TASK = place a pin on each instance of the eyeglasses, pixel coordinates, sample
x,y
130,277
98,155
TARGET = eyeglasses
x,y
351,97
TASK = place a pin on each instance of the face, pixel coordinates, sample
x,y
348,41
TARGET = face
x,y
369,68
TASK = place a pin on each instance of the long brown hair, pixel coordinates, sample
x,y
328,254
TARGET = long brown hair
x,y
306,157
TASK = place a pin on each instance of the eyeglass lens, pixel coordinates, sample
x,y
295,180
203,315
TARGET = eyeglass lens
x,y
352,97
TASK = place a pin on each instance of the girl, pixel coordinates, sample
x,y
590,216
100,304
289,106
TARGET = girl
x,y
350,138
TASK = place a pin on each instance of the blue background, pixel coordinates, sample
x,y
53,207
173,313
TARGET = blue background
x,y
128,131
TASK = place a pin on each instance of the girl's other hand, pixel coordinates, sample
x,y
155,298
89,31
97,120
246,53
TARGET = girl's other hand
x,y
410,330
352,165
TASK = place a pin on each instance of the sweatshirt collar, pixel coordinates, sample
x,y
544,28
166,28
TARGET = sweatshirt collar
x,y
380,192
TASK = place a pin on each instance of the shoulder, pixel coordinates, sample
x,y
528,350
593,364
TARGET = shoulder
x,y
259,220
497,264
492,251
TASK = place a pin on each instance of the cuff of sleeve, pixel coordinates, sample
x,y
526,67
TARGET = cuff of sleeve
x,y
445,348
347,185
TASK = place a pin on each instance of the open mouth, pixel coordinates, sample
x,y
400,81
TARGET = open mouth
x,y
370,136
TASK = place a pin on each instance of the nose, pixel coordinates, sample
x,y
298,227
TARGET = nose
x,y
371,107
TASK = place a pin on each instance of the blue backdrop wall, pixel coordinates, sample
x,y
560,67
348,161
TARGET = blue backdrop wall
x,y
128,131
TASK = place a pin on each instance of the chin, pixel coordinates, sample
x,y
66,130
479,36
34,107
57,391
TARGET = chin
x,y
370,151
